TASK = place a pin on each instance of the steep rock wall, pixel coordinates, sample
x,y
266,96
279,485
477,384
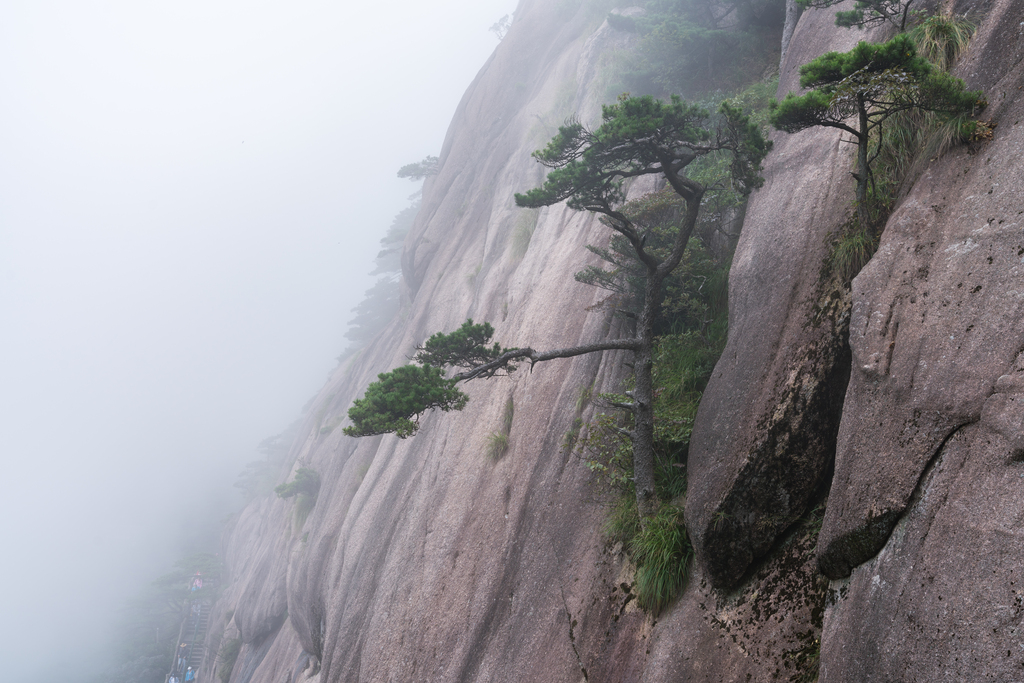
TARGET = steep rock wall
x,y
423,559
925,510
764,437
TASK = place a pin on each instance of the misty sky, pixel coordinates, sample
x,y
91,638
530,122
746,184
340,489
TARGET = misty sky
x,y
191,197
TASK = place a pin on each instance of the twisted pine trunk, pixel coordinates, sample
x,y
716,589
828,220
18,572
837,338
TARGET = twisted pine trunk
x,y
863,171
642,436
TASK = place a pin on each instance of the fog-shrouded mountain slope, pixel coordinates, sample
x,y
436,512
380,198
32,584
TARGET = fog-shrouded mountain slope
x,y
426,560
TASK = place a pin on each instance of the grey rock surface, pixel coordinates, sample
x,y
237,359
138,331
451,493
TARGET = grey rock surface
x,y
938,314
766,629
424,560
924,517
764,436
944,599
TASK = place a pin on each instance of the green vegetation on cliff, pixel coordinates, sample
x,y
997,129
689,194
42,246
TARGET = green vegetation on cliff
x,y
638,136
859,91
866,12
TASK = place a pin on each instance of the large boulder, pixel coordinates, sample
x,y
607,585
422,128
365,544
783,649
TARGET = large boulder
x,y
764,437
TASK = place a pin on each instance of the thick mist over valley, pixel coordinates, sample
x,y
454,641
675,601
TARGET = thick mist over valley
x,y
193,197
313,374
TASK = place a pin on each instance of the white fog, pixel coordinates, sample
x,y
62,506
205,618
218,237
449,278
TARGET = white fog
x,y
191,198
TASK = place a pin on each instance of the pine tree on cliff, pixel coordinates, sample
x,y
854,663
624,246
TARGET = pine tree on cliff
x,y
857,91
638,136
866,12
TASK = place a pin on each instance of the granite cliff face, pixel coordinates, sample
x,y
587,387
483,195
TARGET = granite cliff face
x,y
424,560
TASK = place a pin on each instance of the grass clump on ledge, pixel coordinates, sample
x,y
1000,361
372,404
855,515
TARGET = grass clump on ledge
x,y
498,442
662,553
942,38
661,549
851,252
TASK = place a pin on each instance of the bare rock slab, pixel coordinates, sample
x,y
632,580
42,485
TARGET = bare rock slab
x,y
767,629
938,313
944,599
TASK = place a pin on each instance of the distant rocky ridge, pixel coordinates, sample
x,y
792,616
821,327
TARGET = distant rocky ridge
x,y
423,560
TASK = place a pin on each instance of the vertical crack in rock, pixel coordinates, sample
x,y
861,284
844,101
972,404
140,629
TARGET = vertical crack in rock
x,y
572,636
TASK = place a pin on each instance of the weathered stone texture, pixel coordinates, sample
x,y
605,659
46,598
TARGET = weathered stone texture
x,y
766,629
925,509
424,560
764,435
944,599
938,314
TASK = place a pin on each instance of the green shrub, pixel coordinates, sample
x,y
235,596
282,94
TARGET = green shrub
x,y
851,252
305,488
227,657
306,481
662,554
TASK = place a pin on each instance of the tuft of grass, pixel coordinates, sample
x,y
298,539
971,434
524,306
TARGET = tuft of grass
x,y
662,553
851,252
719,520
497,445
498,442
942,38
507,415
623,522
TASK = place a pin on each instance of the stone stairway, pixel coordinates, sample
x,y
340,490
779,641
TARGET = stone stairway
x,y
193,633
